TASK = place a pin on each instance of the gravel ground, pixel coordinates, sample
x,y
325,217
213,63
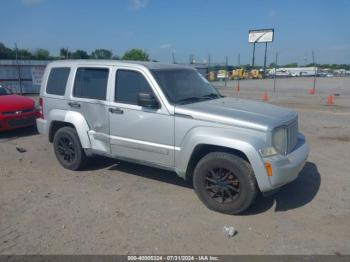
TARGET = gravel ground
x,y
114,207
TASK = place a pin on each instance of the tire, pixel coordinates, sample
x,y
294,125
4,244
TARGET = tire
x,y
232,195
68,149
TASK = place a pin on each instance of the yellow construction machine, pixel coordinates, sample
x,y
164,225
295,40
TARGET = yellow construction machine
x,y
240,73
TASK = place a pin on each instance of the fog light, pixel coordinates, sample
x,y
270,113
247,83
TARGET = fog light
x,y
268,151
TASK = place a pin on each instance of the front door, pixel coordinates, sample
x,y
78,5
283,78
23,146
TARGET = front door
x,y
139,133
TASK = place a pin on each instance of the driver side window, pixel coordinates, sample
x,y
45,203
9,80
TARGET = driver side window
x,y
128,85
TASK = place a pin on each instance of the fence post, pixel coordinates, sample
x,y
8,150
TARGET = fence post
x,y
19,70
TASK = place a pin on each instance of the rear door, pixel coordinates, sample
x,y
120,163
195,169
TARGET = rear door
x,y
136,132
89,97
54,89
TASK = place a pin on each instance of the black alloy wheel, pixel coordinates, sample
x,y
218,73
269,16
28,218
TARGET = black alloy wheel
x,y
222,185
66,149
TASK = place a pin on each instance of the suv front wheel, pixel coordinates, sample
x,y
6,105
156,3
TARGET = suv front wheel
x,y
68,149
225,182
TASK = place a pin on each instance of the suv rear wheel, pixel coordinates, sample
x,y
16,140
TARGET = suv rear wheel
x,y
68,149
225,182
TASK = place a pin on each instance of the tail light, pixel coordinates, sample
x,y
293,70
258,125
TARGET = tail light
x,y
41,108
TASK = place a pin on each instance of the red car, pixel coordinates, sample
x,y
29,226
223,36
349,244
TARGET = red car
x,y
16,111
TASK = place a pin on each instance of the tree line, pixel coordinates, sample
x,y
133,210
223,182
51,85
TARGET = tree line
x,y
44,54
132,54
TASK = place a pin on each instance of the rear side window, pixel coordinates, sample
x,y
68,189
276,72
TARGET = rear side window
x,y
56,84
128,85
91,83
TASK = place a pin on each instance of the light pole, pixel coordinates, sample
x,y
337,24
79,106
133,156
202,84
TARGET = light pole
x,y
313,62
238,78
265,59
226,73
274,77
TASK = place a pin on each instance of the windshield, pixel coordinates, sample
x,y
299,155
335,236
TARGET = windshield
x,y
4,91
183,86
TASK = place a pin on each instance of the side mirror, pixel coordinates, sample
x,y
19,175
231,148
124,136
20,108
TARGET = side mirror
x,y
147,100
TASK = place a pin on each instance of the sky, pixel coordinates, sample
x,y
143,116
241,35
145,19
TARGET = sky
x,y
183,27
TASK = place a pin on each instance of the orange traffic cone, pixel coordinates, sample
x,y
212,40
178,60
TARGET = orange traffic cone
x,y
265,97
330,100
312,91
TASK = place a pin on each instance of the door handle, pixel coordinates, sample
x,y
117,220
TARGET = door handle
x,y
116,110
74,104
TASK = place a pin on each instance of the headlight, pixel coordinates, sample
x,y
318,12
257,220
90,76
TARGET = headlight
x,y
279,140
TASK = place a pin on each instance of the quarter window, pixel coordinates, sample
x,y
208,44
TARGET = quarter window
x,y
128,85
56,84
91,83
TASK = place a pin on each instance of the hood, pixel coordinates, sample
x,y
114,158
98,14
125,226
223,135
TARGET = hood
x,y
238,112
10,103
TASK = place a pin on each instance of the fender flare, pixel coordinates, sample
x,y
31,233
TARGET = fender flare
x,y
77,120
240,140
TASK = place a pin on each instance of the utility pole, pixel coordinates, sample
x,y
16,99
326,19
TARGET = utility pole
x,y
274,77
19,70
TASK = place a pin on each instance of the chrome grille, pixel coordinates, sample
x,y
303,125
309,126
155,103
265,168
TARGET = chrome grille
x,y
292,136
9,113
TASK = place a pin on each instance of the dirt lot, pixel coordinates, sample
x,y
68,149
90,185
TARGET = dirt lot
x,y
118,208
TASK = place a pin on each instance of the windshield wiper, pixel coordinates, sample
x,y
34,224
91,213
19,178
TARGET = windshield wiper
x,y
190,99
198,98
211,96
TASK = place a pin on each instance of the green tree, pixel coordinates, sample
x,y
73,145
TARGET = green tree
x,y
64,53
312,65
291,65
136,54
6,53
24,54
41,54
80,54
101,54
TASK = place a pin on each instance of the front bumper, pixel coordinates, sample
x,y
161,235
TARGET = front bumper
x,y
17,121
285,169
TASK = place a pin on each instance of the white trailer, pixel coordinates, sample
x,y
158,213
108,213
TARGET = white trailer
x,y
294,71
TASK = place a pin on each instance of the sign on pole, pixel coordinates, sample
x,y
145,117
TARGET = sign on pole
x,y
37,74
261,36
